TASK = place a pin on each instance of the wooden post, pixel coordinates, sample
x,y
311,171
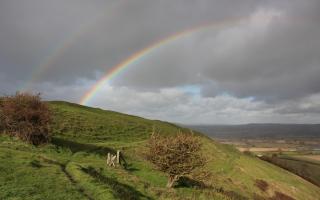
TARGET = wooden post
x,y
112,160
118,157
108,159
113,157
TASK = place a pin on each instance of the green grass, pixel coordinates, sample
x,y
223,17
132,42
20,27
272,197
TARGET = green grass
x,y
23,174
74,165
85,124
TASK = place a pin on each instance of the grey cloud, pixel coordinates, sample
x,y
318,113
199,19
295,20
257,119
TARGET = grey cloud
x,y
173,104
278,63
177,106
305,106
272,67
284,63
30,31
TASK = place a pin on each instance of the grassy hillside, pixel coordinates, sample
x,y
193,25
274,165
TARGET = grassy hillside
x,y
306,168
87,124
74,165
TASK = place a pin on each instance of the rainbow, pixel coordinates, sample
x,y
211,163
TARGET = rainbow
x,y
135,57
66,43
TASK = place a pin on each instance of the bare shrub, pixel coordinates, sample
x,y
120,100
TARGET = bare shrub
x,y
24,115
261,184
177,155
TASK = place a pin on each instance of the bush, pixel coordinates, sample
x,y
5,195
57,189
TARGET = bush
x,y
175,155
24,115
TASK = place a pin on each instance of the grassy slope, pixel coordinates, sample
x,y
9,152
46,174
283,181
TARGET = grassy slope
x,y
73,167
304,167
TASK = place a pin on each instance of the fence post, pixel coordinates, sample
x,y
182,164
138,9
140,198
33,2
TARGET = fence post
x,y
108,159
118,157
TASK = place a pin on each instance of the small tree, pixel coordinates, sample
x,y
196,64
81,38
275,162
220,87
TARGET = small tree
x,y
24,115
177,155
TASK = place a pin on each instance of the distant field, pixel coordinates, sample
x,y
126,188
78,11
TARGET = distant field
x,y
312,157
297,155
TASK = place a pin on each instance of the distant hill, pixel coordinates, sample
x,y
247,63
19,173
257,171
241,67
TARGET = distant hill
x,y
259,130
74,167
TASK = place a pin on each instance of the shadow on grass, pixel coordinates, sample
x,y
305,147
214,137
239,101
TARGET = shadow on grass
x,y
229,193
119,190
35,164
186,182
130,168
76,147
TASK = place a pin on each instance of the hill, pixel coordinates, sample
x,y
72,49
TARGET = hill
x,y
74,165
260,130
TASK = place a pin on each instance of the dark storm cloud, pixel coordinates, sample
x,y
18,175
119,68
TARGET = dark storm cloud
x,y
284,63
29,30
265,65
32,30
281,61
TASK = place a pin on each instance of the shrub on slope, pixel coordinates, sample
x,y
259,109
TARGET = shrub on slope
x,y
24,115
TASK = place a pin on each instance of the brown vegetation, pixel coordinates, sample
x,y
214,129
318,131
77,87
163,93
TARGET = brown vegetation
x,y
24,115
177,155
280,196
262,185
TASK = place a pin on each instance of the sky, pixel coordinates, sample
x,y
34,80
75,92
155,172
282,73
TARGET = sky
x,y
241,61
